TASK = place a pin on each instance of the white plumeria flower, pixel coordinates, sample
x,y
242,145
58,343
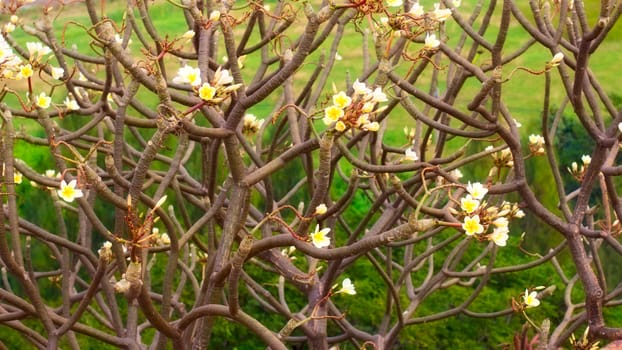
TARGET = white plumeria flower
x,y
536,140
410,155
207,92
457,174
250,124
416,10
477,190
68,191
332,114
319,237
557,59
36,50
373,126
71,104
531,299
25,71
362,89
341,100
499,236
119,40
431,42
222,77
620,127
17,177
14,19
468,204
57,73
501,222
214,16
188,35
586,159
471,225
347,287
321,209
439,14
188,75
9,27
457,3
43,100
395,3
368,107
378,96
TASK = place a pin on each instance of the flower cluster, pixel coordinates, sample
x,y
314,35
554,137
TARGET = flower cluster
x,y
105,252
416,21
289,252
503,158
579,172
479,217
10,26
356,111
9,62
15,69
214,91
536,145
159,239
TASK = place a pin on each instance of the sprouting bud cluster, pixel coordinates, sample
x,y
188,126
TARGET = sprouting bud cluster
x,y
483,221
502,159
159,239
356,111
536,145
416,21
289,252
105,252
578,172
555,61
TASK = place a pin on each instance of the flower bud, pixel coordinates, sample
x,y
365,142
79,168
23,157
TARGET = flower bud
x,y
214,16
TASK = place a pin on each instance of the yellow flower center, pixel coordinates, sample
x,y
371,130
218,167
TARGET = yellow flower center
x,y
68,191
333,113
207,92
472,226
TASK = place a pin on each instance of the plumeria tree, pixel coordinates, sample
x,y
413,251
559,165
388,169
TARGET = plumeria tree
x,y
163,182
